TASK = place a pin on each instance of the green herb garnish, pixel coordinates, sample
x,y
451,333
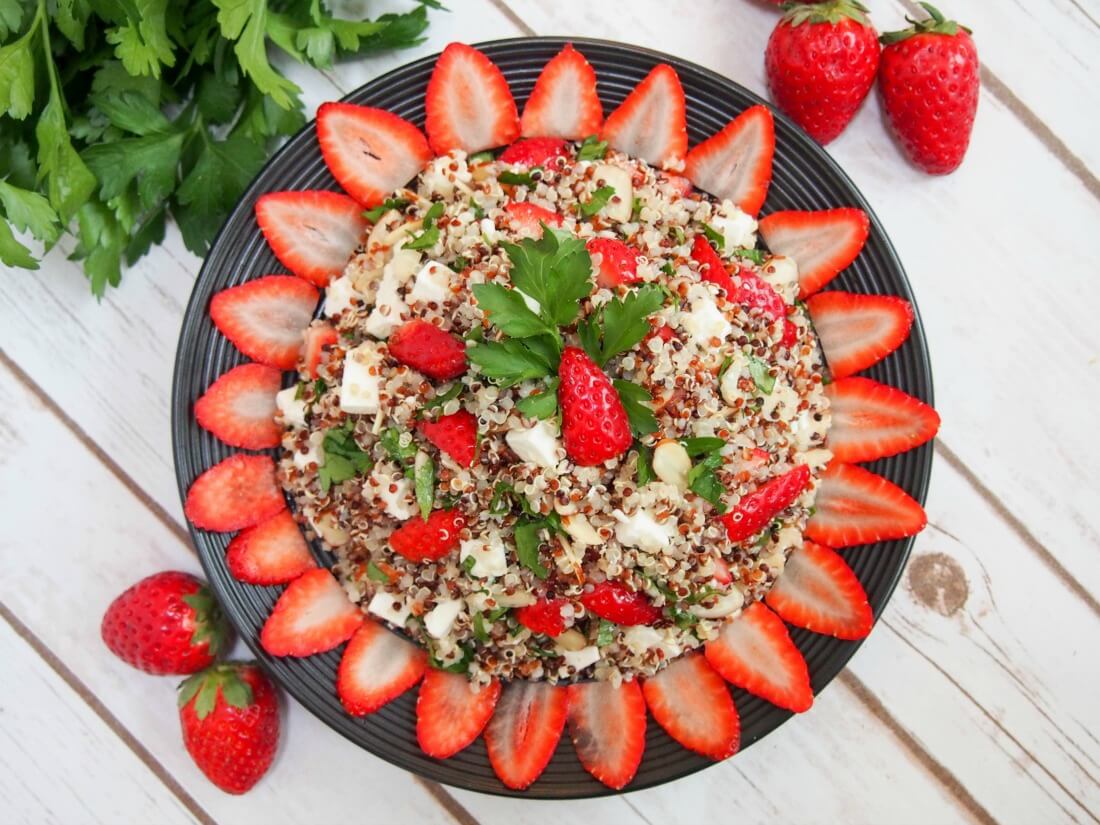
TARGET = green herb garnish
x,y
528,542
459,264
636,209
343,459
637,402
714,236
375,573
377,212
424,483
480,157
645,464
606,634
600,198
754,255
592,149
765,381
528,178
478,626
479,213
542,403
440,400
620,324
429,236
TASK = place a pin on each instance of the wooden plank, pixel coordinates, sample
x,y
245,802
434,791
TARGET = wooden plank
x,y
59,762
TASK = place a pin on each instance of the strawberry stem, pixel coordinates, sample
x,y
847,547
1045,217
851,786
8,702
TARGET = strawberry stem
x,y
827,11
935,23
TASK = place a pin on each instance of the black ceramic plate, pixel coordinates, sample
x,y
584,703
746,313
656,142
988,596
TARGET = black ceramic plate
x,y
805,177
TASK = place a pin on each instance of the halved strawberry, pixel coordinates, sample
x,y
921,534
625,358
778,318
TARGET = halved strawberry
x,y
855,506
425,347
369,151
544,616
822,243
692,703
313,615
711,267
451,713
736,163
651,123
871,420
454,434
857,331
235,493
313,234
239,408
618,262
318,336
264,318
564,102
377,667
755,652
539,151
607,724
524,731
419,540
819,592
756,510
528,218
272,552
468,103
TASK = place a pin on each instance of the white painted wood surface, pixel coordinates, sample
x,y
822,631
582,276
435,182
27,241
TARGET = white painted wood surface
x,y
976,702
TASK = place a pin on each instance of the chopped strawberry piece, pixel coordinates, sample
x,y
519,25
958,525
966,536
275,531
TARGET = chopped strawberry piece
x,y
370,152
711,267
544,616
425,347
272,552
819,592
822,243
651,123
664,332
528,218
756,510
618,263
313,234
454,434
755,652
564,102
419,540
607,724
755,293
524,731
692,703
594,423
451,712
680,185
722,573
619,604
539,151
855,506
318,337
264,318
376,668
312,615
238,492
857,331
871,420
239,408
468,103
736,163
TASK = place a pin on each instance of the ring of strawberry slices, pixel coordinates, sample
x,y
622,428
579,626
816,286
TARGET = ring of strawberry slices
x,y
560,421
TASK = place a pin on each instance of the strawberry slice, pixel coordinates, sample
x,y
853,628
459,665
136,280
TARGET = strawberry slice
x,y
527,218
711,267
618,263
264,318
755,652
607,724
377,667
235,493
871,420
539,151
272,552
425,347
619,604
318,337
857,331
454,434
692,703
369,151
544,616
239,408
595,426
524,731
855,506
749,290
819,592
736,163
651,123
757,509
451,713
419,540
313,234
312,615
468,103
822,243
564,102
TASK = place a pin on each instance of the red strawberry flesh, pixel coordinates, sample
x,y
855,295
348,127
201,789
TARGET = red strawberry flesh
x,y
819,591
871,420
756,510
451,713
468,103
856,506
822,243
544,616
607,724
619,604
524,731
425,347
539,151
454,434
857,331
419,540
313,234
238,492
264,318
618,263
564,102
376,668
736,163
272,552
313,615
239,408
692,703
595,427
651,123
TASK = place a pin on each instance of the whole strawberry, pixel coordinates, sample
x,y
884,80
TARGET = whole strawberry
x,y
929,84
821,61
594,423
229,714
166,623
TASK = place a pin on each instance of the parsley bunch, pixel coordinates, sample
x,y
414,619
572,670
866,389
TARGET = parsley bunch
x,y
116,115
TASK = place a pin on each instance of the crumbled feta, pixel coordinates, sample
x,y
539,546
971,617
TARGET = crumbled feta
x,y
728,383
805,427
292,409
489,231
388,303
782,273
641,638
489,557
315,453
440,619
737,228
536,445
358,387
432,284
394,491
580,659
782,398
392,608
621,204
704,321
643,531
338,295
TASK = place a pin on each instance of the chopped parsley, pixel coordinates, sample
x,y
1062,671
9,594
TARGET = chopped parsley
x,y
529,178
637,402
754,255
600,198
528,542
592,149
542,403
377,212
344,459
645,464
606,634
479,213
764,380
453,392
430,234
620,324
424,483
376,573
703,476
714,236
480,157
459,264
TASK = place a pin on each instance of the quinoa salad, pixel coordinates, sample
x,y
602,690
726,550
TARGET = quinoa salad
x,y
722,397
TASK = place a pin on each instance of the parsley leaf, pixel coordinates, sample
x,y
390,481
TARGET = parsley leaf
x,y
478,626
429,237
555,270
528,178
479,213
479,158
754,255
606,634
508,312
703,477
388,204
528,542
403,454
636,401
375,573
599,200
542,403
440,399
678,233
424,483
714,236
459,264
29,212
592,149
508,362
696,447
645,464
765,381
620,324
343,458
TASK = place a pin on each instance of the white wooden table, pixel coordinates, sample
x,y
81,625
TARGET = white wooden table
x,y
976,697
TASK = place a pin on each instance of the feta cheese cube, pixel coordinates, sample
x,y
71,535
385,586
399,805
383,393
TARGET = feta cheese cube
x,y
580,659
782,273
359,388
314,455
393,490
489,557
431,285
620,206
393,609
537,445
338,295
643,531
292,409
704,320
738,228
440,619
